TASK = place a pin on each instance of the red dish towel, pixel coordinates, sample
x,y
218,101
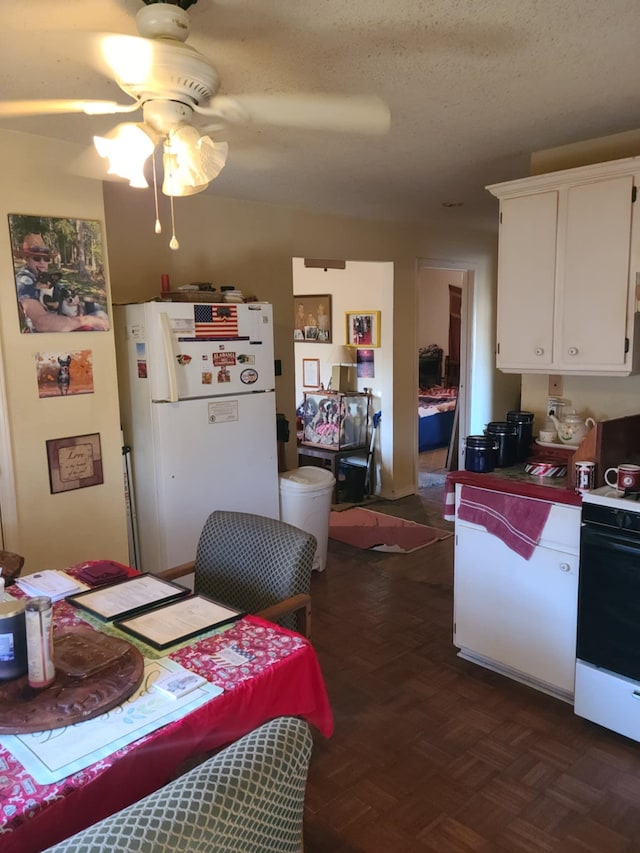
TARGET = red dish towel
x,y
449,506
517,521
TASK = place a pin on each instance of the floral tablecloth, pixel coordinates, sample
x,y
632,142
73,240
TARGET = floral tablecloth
x,y
274,672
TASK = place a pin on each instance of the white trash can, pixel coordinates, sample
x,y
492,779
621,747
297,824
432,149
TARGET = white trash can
x,y
305,502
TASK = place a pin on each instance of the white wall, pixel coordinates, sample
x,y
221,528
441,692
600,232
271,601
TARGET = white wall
x,y
365,287
53,531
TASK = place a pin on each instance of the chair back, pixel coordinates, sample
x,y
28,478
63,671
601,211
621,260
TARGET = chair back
x,y
249,796
251,562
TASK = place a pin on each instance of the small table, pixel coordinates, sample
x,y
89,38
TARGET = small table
x,y
319,455
281,677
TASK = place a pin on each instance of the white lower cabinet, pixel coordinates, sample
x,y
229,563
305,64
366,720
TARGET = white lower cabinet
x,y
518,616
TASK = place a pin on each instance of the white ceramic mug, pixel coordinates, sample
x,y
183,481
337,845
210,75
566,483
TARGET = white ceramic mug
x,y
549,436
627,477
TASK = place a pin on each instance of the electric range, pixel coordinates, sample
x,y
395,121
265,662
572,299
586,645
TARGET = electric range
x,y
608,496
607,687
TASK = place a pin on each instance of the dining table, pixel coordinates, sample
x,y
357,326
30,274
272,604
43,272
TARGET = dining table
x,y
279,675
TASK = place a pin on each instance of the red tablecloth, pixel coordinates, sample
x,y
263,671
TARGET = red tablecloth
x,y
281,677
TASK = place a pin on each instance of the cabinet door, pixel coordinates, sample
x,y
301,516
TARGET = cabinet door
x,y
518,613
594,271
526,280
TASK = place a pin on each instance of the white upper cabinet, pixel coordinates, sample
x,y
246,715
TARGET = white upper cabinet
x,y
567,261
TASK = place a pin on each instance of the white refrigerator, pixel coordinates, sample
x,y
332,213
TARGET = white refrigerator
x,y
197,404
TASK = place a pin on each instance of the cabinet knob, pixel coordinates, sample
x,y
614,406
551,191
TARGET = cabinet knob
x,y
573,350
539,351
565,567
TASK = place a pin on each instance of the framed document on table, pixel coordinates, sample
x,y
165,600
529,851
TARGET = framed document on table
x,y
173,623
125,598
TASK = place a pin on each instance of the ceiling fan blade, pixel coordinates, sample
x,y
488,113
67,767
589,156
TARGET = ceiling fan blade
x,y
349,113
14,109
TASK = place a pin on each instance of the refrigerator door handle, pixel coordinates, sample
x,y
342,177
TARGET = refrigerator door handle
x,y
167,343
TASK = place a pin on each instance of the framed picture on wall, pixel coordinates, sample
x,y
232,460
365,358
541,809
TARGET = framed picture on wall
x,y
363,328
312,318
58,266
310,372
74,462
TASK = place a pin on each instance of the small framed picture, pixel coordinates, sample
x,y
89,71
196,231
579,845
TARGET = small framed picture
x,y
312,318
363,328
74,462
310,372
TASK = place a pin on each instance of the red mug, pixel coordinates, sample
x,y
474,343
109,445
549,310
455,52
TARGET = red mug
x,y
627,477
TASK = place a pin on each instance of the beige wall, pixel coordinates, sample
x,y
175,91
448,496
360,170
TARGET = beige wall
x,y
252,245
433,306
53,531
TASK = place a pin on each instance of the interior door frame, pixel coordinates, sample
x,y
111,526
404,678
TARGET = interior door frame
x,y
8,505
466,344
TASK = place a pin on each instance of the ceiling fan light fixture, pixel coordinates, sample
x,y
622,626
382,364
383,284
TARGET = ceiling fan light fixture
x,y
178,181
199,159
127,147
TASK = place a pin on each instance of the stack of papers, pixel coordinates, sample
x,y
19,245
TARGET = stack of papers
x,y
51,583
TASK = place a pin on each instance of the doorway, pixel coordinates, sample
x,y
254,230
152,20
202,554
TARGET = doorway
x,y
441,328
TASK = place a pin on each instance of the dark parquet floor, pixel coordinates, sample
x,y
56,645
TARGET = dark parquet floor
x,y
433,753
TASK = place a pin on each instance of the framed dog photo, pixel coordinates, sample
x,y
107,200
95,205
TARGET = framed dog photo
x,y
60,374
363,328
58,267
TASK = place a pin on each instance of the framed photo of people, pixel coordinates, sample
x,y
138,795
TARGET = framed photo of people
x,y
312,318
363,328
59,273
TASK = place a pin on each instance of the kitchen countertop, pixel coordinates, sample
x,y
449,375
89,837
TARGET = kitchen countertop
x,y
514,481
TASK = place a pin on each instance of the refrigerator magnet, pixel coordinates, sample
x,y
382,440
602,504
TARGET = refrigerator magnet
x,y
249,376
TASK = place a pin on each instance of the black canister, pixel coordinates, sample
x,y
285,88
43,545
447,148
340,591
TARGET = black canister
x,y
523,422
480,453
13,643
506,437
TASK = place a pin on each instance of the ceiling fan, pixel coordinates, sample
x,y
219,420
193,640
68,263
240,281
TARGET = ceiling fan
x,y
176,88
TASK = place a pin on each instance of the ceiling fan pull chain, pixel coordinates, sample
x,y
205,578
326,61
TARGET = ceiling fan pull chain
x,y
173,242
155,195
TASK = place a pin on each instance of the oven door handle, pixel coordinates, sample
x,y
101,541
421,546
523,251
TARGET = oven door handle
x,y
616,541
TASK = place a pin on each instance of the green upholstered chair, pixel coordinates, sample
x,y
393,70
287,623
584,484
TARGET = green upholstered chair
x,y
255,564
248,797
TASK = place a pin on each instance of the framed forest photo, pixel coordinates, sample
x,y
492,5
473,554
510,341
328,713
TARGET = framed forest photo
x,y
58,267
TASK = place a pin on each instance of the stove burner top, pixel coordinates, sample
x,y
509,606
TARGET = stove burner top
x,y
608,496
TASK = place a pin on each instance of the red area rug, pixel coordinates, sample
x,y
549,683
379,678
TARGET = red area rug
x,y
364,528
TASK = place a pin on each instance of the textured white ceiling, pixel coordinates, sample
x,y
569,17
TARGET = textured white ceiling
x,y
473,86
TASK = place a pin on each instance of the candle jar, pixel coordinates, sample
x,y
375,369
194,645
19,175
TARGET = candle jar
x,y
13,643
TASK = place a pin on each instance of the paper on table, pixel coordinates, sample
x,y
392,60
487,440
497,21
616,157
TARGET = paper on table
x,y
51,755
52,583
